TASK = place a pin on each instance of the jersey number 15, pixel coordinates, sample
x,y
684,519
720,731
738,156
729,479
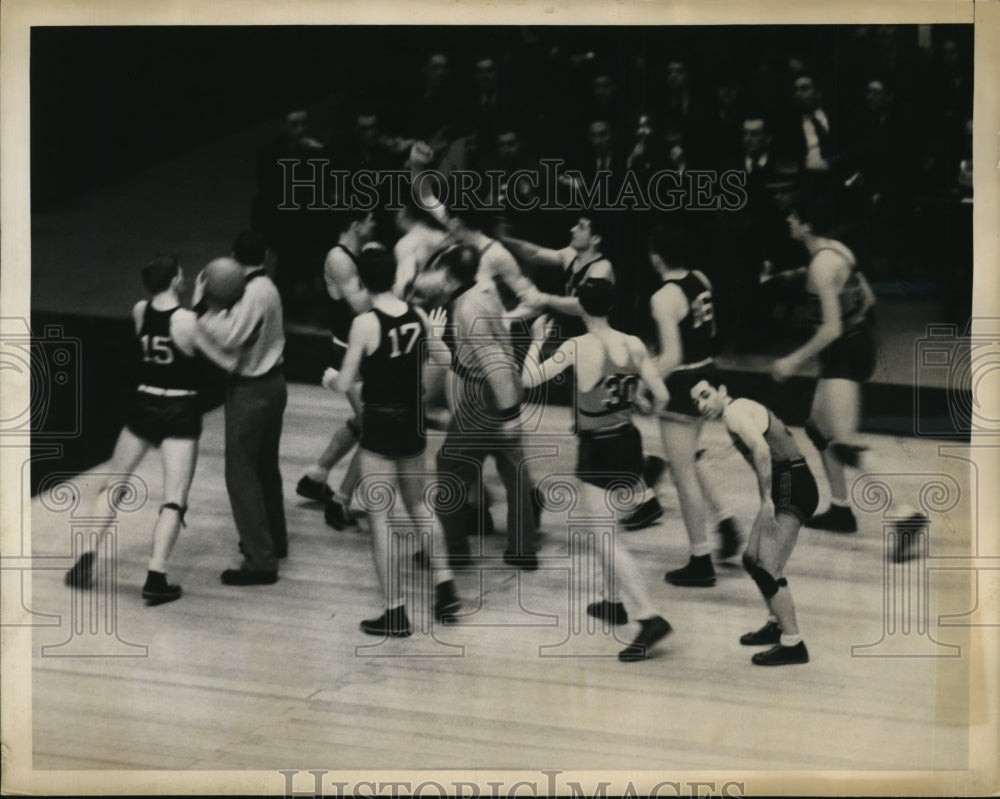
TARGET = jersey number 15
x,y
157,349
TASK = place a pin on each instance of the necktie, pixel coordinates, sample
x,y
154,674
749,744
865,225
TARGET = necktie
x,y
822,134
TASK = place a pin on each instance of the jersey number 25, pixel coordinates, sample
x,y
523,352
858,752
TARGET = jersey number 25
x,y
701,309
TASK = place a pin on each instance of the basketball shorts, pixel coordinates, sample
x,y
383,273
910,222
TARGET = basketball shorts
x,y
793,489
154,418
610,456
393,431
680,382
850,357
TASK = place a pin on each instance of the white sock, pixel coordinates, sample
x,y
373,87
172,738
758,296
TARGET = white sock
x,y
157,566
840,503
790,640
700,550
772,617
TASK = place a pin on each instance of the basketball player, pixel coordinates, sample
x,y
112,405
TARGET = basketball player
x,y
417,251
683,312
788,496
609,365
421,237
520,297
838,300
250,339
583,260
347,299
386,347
165,414
487,413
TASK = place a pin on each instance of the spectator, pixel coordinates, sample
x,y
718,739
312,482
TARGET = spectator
x,y
812,132
289,232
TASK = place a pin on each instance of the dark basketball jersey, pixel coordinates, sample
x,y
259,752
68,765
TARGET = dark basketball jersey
x,y
568,325
697,329
340,311
575,278
852,299
777,435
393,374
608,404
164,364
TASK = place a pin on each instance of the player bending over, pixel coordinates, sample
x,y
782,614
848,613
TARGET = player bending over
x,y
788,497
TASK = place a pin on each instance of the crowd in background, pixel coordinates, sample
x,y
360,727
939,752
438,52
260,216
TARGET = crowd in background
x,y
875,119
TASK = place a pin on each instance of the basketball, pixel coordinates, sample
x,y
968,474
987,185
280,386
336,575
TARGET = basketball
x,y
224,282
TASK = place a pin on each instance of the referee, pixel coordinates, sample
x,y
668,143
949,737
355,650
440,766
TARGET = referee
x,y
250,336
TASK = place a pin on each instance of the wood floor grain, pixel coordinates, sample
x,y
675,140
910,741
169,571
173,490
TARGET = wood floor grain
x,y
280,677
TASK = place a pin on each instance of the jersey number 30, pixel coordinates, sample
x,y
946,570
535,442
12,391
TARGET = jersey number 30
x,y
621,390
411,329
156,349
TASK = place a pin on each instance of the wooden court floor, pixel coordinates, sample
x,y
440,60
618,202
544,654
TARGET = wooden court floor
x,y
280,677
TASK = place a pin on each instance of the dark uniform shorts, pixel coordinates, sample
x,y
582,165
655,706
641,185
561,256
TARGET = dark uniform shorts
x,y
850,357
393,431
793,489
610,456
680,382
154,418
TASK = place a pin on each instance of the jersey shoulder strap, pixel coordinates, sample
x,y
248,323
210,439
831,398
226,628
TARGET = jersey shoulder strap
x,y
350,253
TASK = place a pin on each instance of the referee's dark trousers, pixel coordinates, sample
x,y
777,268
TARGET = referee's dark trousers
x,y
254,410
461,458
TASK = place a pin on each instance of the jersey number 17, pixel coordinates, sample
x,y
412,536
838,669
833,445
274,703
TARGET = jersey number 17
x,y
410,329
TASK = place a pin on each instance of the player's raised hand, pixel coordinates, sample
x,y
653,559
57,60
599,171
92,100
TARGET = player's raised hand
x,y
438,319
421,154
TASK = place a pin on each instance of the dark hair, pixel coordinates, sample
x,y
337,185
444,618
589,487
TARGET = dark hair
x,y
670,244
712,376
159,273
600,225
462,262
596,296
376,268
811,207
349,216
250,249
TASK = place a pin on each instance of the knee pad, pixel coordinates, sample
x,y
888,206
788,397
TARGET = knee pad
x,y
765,581
181,510
354,425
819,441
698,455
